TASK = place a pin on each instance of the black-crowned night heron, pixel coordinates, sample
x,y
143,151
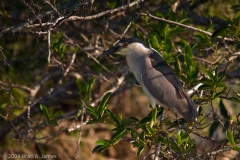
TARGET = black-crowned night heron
x,y
156,78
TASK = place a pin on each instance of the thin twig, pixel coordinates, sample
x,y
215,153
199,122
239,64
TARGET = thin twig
x,y
157,151
78,151
185,26
49,45
68,68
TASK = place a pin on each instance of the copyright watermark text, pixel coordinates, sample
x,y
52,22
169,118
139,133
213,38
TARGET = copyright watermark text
x,y
28,156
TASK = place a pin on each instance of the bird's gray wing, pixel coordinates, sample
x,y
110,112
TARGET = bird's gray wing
x,y
163,84
161,68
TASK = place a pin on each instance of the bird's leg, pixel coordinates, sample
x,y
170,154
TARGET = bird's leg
x,y
161,115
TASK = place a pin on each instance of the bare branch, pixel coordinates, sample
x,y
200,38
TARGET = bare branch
x,y
185,26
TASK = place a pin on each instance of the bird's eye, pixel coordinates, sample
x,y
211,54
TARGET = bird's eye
x,y
125,44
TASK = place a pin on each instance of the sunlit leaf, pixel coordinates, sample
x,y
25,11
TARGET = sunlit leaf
x,y
90,83
209,74
154,42
154,114
177,66
113,116
138,34
45,111
139,151
144,121
102,106
230,138
142,136
100,148
119,133
102,142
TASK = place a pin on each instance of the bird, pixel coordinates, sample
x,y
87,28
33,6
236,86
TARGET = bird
x,y
156,77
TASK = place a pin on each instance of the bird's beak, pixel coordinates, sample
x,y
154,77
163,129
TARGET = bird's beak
x,y
111,51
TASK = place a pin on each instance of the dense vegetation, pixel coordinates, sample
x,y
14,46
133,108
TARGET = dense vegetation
x,y
60,99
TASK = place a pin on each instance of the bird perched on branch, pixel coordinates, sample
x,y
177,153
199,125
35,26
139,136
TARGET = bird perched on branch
x,y
156,78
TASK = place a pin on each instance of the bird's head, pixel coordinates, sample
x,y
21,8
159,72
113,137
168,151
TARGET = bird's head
x,y
127,46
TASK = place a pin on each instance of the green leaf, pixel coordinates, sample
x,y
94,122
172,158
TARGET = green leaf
x,y
119,127
178,138
90,108
217,101
139,34
113,116
236,7
230,138
177,66
137,144
188,50
143,122
234,99
91,111
209,74
94,114
111,5
139,151
57,37
192,71
150,130
174,31
168,45
220,31
100,148
184,20
172,15
219,79
210,27
154,42
133,134
92,121
237,30
223,110
236,148
184,135
216,96
52,122
102,142
142,136
205,87
58,113
90,83
79,104
202,37
237,15
130,120
154,114
45,111
119,134
212,128
161,26
101,108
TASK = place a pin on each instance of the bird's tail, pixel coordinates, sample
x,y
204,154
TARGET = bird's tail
x,y
192,114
